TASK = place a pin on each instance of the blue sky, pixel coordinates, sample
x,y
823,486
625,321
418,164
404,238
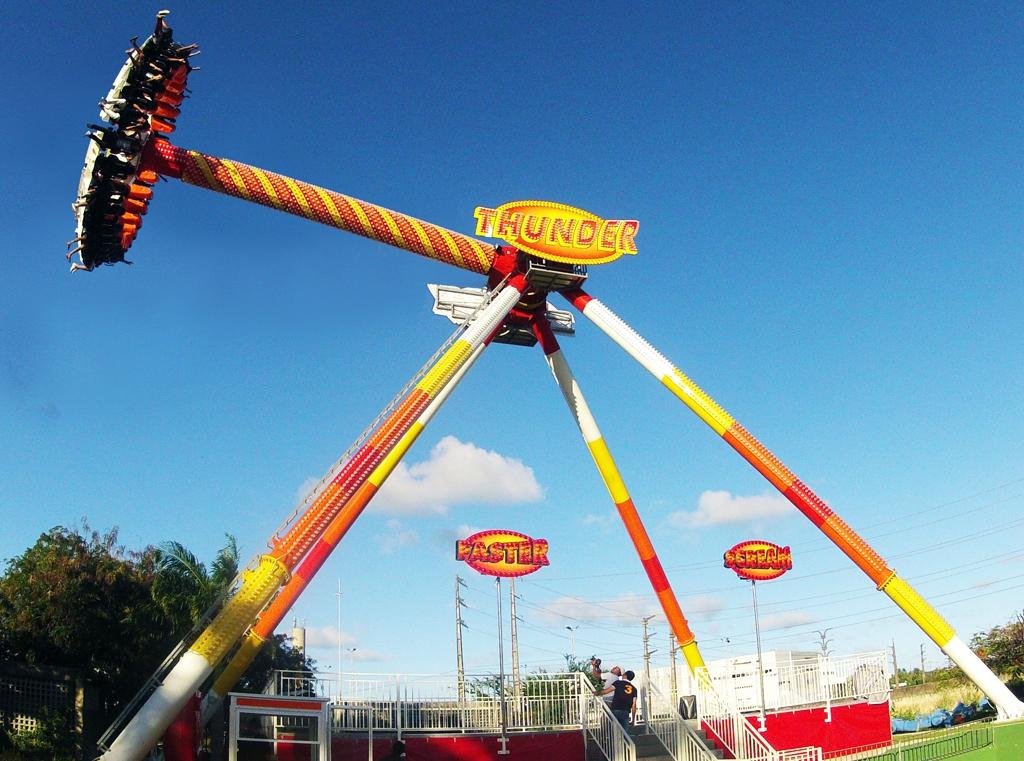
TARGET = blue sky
x,y
830,245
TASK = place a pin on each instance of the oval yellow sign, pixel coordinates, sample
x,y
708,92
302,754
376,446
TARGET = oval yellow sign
x,y
558,232
758,560
502,553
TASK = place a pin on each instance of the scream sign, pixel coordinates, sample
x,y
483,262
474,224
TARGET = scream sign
x,y
758,560
502,553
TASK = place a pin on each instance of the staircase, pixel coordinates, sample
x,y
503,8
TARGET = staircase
x,y
706,741
648,746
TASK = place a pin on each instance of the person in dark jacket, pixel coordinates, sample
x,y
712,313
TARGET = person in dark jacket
x,y
623,698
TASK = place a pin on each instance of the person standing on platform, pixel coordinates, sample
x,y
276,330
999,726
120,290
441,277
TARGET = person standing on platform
x,y
623,702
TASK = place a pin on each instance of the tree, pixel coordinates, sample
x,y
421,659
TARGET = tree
x,y
1002,648
572,666
184,589
79,600
276,655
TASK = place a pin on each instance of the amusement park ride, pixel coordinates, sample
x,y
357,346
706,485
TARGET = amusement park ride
x,y
132,151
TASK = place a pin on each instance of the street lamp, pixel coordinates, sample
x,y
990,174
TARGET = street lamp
x,y
347,650
572,640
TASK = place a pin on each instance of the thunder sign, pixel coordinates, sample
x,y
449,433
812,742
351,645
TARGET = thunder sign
x,y
558,232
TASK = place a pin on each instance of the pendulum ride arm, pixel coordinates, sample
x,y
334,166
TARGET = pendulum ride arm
x,y
128,155
260,584
805,500
275,612
617,488
315,203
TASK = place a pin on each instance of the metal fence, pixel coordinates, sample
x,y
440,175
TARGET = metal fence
x,y
406,703
673,732
605,730
788,682
861,676
950,744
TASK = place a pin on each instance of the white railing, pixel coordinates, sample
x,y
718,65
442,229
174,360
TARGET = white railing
x,y
855,677
752,744
428,703
675,734
791,684
790,679
603,728
808,753
719,717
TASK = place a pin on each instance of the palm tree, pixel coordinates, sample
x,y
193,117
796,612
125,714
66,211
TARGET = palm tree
x,y
185,591
182,586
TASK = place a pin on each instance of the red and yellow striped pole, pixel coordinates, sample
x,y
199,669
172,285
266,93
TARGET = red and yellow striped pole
x,y
311,525
274,614
261,584
805,500
620,495
318,204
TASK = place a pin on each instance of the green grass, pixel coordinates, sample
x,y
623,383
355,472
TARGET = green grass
x,y
1007,744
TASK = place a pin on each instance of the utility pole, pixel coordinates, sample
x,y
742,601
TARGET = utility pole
x,y
458,639
647,669
895,668
922,664
824,641
517,686
672,650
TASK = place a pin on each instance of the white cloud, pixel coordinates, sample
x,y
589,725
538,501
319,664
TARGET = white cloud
x,y
305,488
627,608
365,656
324,637
396,536
456,472
602,520
719,507
786,620
702,607
446,538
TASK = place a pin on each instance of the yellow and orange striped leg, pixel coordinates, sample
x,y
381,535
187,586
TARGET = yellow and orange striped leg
x,y
299,539
260,585
274,614
620,495
805,500
319,205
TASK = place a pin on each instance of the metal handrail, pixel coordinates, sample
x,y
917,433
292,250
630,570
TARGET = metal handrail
x,y
675,734
431,702
602,727
720,713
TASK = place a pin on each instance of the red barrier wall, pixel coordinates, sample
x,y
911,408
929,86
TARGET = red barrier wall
x,y
556,746
854,725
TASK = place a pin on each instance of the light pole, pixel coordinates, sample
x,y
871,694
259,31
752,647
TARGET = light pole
x,y
349,650
760,662
572,640
338,595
